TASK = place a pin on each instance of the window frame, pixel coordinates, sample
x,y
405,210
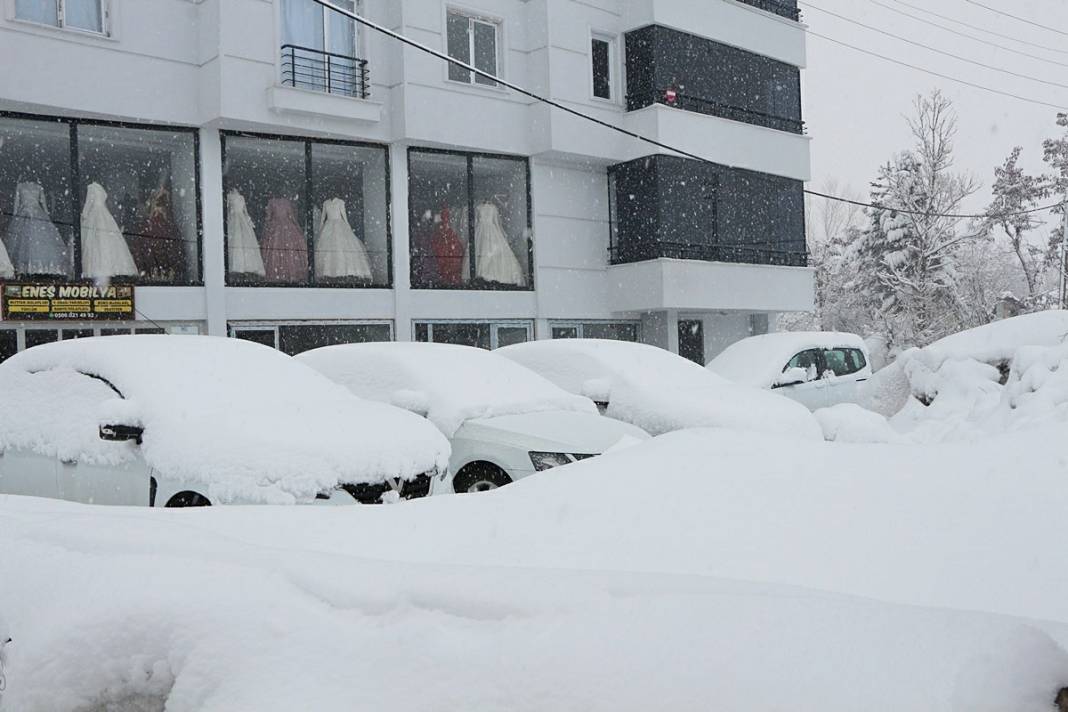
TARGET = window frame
x,y
580,326
614,68
78,199
475,16
308,142
493,324
847,352
61,19
470,156
272,325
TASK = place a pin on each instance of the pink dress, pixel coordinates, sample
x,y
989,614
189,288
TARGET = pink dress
x,y
285,249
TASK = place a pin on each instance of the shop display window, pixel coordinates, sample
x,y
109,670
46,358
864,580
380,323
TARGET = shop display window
x,y
95,201
295,338
306,213
9,344
469,216
481,334
610,330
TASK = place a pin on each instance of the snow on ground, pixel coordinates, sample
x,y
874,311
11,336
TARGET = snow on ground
x,y
659,391
249,422
618,583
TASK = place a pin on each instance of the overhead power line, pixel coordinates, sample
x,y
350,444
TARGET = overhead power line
x,y
980,29
933,49
1017,17
980,40
619,129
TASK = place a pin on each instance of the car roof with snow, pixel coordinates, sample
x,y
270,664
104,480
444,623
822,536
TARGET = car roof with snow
x,y
760,360
450,383
657,390
249,422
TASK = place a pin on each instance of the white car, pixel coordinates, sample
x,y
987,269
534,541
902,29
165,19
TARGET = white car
x,y
195,420
503,422
657,390
816,368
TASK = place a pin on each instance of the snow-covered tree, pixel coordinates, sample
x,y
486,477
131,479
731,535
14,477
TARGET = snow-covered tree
x,y
1014,193
907,254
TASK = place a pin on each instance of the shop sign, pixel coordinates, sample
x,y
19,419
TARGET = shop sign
x,y
59,301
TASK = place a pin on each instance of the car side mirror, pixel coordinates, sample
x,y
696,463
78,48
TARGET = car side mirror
x,y
792,377
117,432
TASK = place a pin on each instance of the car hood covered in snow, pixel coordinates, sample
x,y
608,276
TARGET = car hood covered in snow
x,y
248,422
449,383
554,431
659,391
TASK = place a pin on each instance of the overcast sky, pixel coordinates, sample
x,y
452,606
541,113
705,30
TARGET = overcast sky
x,y
854,104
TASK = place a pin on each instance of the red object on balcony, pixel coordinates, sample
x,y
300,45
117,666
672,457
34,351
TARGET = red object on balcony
x,y
671,96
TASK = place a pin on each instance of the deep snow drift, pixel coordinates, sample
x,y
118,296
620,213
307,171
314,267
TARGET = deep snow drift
x,y
577,589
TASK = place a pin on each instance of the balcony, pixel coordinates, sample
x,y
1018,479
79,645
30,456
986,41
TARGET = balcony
x,y
317,70
627,253
688,102
782,8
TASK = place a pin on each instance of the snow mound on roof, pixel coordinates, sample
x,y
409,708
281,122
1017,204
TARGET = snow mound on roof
x,y
452,383
247,422
759,360
659,391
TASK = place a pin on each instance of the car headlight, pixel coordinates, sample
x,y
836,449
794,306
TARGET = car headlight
x,y
548,460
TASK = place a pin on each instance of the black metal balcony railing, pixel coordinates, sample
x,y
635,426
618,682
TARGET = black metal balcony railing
x,y
696,104
779,7
306,68
745,254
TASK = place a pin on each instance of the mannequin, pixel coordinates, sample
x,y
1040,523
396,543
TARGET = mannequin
x,y
243,249
33,241
104,250
285,249
338,252
494,259
448,250
157,250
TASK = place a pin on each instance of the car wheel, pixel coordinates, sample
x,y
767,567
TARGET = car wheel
x,y
479,477
188,499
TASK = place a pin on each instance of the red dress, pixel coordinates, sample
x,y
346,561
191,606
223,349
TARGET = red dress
x,y
284,246
157,249
448,251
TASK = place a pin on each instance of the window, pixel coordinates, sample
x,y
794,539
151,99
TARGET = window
x,y
469,217
472,40
481,334
297,337
809,361
843,362
692,340
306,213
126,209
602,60
320,48
758,324
611,330
86,15
9,344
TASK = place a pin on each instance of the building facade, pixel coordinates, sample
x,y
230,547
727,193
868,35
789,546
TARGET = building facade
x,y
271,170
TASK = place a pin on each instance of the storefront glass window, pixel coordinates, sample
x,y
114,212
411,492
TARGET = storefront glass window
x,y
144,184
469,220
302,213
611,330
298,338
9,344
481,334
125,209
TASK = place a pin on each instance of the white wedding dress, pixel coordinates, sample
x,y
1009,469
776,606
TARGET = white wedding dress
x,y
338,252
105,253
7,270
243,249
494,259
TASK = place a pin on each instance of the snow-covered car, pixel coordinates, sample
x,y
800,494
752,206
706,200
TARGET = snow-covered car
x,y
657,390
195,420
816,368
503,421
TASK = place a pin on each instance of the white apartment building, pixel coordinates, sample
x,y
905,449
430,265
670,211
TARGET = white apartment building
x,y
274,171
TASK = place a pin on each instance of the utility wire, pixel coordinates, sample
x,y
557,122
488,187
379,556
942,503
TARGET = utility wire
x,y
1016,17
990,90
980,40
934,49
980,29
619,129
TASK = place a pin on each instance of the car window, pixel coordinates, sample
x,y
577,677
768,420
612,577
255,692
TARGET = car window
x,y
843,362
805,359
